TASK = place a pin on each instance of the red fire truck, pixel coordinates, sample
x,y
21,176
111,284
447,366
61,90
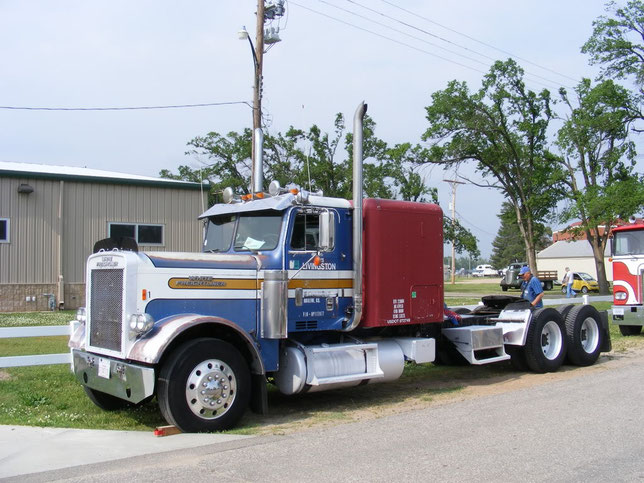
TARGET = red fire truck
x,y
628,277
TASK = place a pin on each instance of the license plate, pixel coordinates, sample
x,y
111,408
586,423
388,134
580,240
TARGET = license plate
x,y
617,311
104,368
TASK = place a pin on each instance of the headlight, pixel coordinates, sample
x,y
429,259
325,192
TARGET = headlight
x,y
141,323
81,315
620,296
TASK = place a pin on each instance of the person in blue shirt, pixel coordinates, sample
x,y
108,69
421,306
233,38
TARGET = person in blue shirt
x,y
531,287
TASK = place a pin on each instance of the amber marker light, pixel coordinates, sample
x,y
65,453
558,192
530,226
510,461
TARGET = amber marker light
x,y
144,294
259,195
294,191
316,261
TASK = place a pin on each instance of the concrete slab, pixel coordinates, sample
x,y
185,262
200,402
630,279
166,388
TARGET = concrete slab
x,y
25,450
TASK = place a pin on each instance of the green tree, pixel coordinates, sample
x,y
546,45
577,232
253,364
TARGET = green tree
x,y
508,245
599,161
617,41
318,161
503,128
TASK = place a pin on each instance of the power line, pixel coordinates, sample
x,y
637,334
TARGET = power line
x,y
384,37
478,41
426,32
408,45
473,225
136,108
402,32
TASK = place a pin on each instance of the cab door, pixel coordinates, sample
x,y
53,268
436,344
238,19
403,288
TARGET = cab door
x,y
314,289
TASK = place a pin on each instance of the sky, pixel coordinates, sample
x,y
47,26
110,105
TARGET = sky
x,y
333,54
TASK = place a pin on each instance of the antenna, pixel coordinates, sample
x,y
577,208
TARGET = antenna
x,y
308,167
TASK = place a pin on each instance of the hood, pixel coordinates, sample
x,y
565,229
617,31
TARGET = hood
x,y
203,260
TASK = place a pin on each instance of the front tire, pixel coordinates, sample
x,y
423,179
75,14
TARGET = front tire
x,y
584,290
105,401
584,335
204,386
545,348
627,330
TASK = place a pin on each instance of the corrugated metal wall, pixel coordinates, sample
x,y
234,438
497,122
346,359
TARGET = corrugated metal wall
x,y
33,251
29,257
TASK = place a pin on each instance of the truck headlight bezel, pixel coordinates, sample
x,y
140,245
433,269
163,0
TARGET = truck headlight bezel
x,y
140,323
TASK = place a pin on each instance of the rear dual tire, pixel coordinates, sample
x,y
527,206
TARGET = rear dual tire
x,y
585,335
545,348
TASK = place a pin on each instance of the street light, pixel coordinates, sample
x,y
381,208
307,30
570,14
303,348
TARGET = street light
x,y
258,54
243,35
275,9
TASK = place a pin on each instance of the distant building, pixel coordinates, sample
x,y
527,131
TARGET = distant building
x,y
567,235
51,216
577,254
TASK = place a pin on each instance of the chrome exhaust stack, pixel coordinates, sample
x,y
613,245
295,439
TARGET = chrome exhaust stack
x,y
358,119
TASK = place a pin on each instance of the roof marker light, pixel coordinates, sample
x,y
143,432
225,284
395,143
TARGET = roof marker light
x,y
274,188
228,195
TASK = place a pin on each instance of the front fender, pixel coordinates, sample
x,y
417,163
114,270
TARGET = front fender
x,y
150,348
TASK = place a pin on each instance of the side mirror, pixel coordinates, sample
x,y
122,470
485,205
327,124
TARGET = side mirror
x,y
327,231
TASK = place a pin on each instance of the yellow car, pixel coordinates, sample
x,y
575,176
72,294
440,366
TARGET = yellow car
x,y
582,282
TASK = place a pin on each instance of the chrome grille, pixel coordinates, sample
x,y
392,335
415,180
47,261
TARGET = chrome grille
x,y
106,305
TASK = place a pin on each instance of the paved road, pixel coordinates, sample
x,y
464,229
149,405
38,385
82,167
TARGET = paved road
x,y
586,426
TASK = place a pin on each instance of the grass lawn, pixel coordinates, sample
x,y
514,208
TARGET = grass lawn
x,y
50,396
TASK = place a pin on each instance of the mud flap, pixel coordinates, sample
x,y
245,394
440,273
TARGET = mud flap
x,y
259,394
607,345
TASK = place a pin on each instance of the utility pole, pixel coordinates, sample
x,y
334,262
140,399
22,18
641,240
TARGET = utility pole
x,y
257,86
453,183
274,9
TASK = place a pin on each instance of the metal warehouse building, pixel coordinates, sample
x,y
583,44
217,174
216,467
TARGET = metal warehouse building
x,y
51,216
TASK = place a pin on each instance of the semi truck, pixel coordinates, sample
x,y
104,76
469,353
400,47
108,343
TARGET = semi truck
x,y
511,277
302,291
627,251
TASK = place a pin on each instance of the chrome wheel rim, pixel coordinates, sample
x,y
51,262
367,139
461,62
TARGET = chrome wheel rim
x,y
210,389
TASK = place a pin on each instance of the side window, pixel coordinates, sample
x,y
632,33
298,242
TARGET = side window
x,y
305,233
4,230
144,234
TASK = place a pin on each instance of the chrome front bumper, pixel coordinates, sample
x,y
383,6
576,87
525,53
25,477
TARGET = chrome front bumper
x,y
628,314
112,376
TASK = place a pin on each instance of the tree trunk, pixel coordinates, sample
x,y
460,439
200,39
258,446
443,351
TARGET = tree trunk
x,y
600,267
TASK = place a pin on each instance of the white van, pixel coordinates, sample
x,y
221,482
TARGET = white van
x,y
484,271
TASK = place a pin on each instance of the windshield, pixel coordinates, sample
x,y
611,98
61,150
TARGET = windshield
x,y
258,231
586,277
629,242
219,233
253,231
